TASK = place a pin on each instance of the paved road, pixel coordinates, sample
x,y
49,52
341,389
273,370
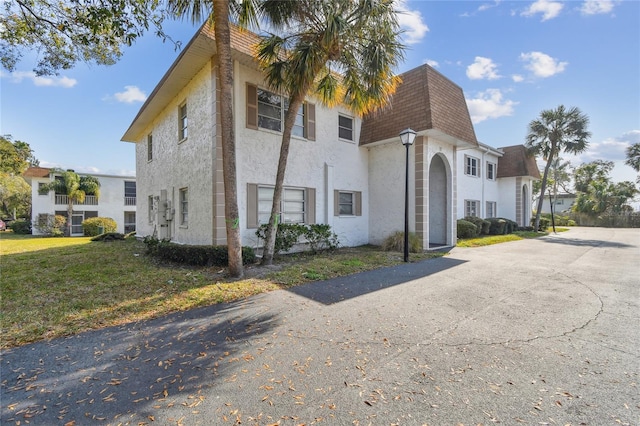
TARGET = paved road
x,y
543,331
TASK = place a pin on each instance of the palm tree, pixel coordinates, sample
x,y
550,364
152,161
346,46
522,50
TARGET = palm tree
x,y
341,51
218,13
556,130
75,187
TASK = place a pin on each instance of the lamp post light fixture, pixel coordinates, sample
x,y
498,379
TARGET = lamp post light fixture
x,y
407,136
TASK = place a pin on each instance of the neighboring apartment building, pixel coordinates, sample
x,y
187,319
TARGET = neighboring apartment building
x,y
117,200
342,170
562,203
496,182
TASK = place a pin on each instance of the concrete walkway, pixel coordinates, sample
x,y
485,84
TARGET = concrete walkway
x,y
543,331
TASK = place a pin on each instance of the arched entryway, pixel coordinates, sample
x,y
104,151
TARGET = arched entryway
x,y
438,202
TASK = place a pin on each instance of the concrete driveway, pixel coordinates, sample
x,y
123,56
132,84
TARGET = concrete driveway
x,y
543,331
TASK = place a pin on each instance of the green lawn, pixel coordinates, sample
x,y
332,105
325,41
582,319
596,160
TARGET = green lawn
x,y
54,287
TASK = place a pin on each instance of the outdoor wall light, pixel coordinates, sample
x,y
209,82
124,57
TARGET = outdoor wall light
x,y
407,136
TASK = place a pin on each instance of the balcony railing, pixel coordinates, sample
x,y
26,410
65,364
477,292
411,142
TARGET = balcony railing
x,y
129,201
89,200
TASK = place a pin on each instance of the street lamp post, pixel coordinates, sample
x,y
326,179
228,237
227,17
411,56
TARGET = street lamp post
x,y
407,137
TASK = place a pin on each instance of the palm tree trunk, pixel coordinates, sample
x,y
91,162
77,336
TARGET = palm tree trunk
x,y
69,215
543,188
225,75
272,227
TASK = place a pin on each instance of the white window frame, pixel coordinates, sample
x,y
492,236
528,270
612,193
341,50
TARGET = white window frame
x,y
472,208
287,202
151,208
280,105
492,170
149,147
491,209
342,128
40,190
183,199
183,122
471,166
351,204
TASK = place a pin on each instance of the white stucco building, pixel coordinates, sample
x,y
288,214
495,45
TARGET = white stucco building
x,y
496,182
117,201
342,170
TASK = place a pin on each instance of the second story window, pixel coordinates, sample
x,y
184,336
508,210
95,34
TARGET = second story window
x,y
345,127
149,147
266,110
129,193
182,122
491,171
471,166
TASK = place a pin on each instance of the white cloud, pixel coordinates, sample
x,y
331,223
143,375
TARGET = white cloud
x,y
596,7
130,95
542,65
548,9
46,81
431,63
412,24
517,78
489,104
487,6
612,149
482,68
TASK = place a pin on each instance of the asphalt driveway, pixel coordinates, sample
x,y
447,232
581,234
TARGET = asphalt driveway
x,y
543,331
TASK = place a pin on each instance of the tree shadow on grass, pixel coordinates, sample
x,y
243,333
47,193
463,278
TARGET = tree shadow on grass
x,y
127,373
343,288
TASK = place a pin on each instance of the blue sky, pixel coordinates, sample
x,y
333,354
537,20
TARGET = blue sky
x,y
512,59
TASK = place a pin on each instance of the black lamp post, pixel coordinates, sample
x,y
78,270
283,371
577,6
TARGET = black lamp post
x,y
407,137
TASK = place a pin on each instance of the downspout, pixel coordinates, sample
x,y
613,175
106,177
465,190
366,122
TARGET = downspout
x,y
483,207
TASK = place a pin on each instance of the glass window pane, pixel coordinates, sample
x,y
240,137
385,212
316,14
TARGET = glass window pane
x,y
293,194
346,197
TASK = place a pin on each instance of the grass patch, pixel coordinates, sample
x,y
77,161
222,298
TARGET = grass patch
x,y
487,240
54,287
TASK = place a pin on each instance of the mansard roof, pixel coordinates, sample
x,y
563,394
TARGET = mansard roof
x,y
517,161
430,104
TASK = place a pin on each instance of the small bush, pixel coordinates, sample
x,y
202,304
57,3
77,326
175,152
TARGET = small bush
x,y
108,236
319,236
497,226
51,225
21,226
200,255
466,229
544,223
395,242
525,229
91,227
481,224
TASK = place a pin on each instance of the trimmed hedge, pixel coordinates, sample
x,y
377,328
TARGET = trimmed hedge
x,y
20,226
91,227
196,255
318,236
466,229
501,226
481,224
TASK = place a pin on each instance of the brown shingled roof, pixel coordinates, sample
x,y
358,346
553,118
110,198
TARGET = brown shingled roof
x,y
425,100
36,172
516,161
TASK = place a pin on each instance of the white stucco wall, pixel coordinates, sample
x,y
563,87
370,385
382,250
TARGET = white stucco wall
x,y
110,203
478,188
326,164
180,164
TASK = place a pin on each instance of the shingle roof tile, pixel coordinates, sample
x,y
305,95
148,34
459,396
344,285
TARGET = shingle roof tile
x,y
517,161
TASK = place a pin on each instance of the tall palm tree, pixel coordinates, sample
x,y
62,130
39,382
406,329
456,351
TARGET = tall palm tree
x,y
219,13
341,51
555,131
75,187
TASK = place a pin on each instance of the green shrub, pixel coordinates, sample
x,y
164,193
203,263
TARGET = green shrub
x,y
544,223
108,236
92,226
51,225
194,255
481,224
466,229
319,236
497,226
21,226
200,255
395,242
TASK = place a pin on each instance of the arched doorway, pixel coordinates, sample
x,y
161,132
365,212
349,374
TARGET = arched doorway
x,y
438,202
